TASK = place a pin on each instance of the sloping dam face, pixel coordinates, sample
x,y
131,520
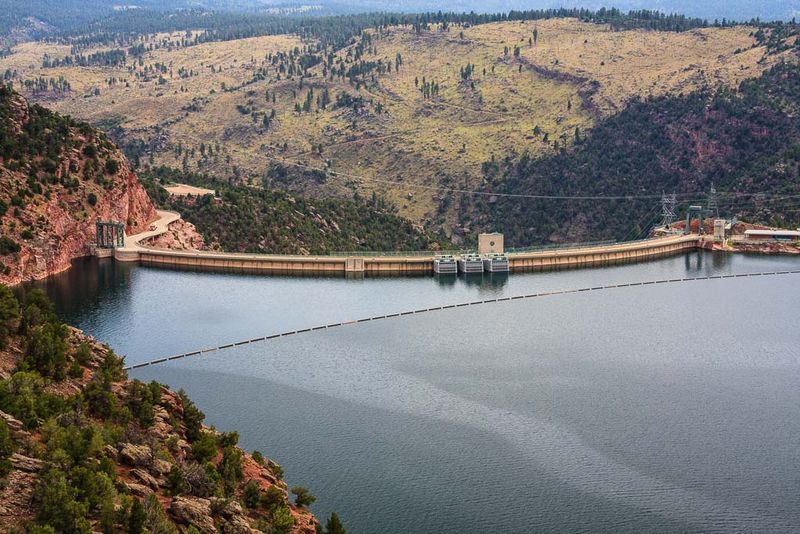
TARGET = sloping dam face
x,y
553,259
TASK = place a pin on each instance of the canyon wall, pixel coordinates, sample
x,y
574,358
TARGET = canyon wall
x,y
57,178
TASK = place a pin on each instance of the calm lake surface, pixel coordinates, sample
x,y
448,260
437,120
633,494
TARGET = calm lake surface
x,y
669,407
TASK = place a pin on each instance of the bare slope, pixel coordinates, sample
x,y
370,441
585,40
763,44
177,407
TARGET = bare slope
x,y
534,97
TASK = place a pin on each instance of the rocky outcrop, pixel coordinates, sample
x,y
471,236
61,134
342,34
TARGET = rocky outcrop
x,y
181,235
15,498
135,455
194,512
145,478
51,219
26,463
15,426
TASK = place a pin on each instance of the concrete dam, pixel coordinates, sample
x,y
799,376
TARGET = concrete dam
x,y
134,251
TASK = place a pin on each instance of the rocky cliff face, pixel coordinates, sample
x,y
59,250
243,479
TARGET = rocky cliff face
x,y
181,235
57,178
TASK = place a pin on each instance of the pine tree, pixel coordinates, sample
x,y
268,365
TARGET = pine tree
x,y
136,518
9,313
334,525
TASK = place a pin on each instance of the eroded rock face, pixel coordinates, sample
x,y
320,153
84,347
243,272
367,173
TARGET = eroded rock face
x,y
135,455
193,511
181,235
26,463
145,478
15,426
15,498
53,229
140,490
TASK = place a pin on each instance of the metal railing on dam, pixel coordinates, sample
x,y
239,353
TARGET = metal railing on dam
x,y
453,306
537,258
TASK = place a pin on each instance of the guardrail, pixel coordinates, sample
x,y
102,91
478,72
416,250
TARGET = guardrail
x,y
533,248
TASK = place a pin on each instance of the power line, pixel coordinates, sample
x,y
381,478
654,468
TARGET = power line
x,y
404,185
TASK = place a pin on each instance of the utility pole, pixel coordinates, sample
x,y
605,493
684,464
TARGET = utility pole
x,y
668,204
712,208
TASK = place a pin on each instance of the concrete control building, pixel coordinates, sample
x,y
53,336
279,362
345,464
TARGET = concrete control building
x,y
490,243
771,235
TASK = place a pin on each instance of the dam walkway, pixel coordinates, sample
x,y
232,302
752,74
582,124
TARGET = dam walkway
x,y
135,251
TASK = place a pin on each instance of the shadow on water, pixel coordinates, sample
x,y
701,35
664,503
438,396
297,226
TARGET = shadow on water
x,y
486,280
694,262
89,280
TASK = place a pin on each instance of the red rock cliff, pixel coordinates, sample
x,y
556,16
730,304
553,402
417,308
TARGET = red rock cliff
x,y
57,177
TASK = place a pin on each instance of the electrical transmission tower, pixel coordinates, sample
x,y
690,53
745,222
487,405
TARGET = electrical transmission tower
x,y
712,208
668,204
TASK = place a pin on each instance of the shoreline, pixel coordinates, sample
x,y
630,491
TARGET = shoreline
x,y
400,265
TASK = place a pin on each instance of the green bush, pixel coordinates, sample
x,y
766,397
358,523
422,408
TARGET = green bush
x,y
112,166
24,397
57,507
90,151
230,468
252,494
46,350
9,313
204,447
334,525
175,481
192,417
141,401
8,246
302,497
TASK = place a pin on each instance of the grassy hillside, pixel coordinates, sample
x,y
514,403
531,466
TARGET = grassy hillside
x,y
248,219
743,142
239,107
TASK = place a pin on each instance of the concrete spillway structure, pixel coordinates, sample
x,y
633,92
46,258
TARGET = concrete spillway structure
x,y
495,263
445,264
470,264
374,265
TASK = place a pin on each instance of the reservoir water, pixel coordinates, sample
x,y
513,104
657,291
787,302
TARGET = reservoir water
x,y
670,407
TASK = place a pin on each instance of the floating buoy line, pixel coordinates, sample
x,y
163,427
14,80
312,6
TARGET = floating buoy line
x,y
451,306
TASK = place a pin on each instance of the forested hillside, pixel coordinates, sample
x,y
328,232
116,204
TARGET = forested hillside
x,y
246,219
57,177
743,142
83,449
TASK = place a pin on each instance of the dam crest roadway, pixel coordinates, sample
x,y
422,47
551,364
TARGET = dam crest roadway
x,y
580,256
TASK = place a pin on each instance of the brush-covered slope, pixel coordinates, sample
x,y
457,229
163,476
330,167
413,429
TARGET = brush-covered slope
x,y
84,449
745,142
259,220
421,104
57,177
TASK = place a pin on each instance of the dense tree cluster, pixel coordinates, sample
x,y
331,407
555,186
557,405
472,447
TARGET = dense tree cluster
x,y
339,30
246,219
745,141
105,58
